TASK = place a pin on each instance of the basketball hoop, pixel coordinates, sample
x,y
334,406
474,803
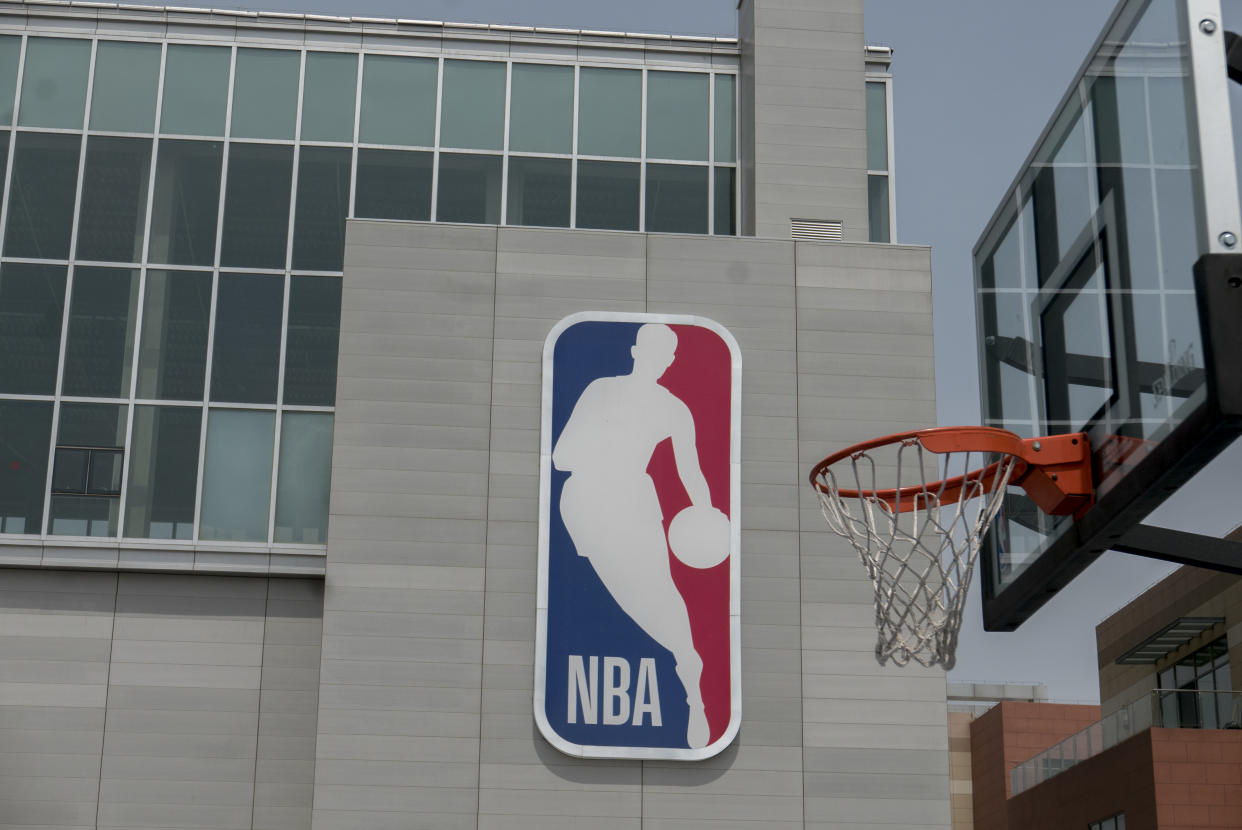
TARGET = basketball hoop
x,y
919,537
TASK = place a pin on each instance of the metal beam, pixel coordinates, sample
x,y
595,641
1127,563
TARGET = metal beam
x,y
1182,547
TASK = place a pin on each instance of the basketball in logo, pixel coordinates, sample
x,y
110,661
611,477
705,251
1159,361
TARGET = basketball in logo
x,y
638,583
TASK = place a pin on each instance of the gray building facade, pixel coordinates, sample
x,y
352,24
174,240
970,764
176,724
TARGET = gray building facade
x,y
257,604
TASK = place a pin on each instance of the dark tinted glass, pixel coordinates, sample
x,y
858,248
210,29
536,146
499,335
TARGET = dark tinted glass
x,y
393,184
196,89
114,199
877,208
311,347
725,201
45,177
265,93
127,77
322,204
469,189
54,82
10,54
25,430
186,202
608,195
539,191
32,304
246,356
163,472
328,97
676,198
102,320
256,206
99,426
172,357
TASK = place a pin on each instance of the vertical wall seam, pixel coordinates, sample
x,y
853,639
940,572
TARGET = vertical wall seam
x,y
258,717
798,516
487,527
103,732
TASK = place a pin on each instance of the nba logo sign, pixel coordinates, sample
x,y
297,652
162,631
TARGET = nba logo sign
x,y
638,642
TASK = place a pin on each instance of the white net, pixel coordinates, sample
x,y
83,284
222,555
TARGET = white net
x,y
895,504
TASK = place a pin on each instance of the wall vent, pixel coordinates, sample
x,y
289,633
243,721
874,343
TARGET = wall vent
x,y
817,230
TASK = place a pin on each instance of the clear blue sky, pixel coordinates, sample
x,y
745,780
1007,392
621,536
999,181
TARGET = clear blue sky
x,y
975,81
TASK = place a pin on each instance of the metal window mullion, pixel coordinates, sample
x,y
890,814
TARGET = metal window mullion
x,y
284,312
891,158
140,308
435,160
711,153
573,153
353,162
504,160
215,293
8,166
64,323
642,158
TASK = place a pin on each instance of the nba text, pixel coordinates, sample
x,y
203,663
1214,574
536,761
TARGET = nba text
x,y
584,691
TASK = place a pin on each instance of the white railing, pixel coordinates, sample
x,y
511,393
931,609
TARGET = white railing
x,y
1099,736
1168,708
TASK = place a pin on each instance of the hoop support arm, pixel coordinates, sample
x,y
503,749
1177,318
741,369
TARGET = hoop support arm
x,y
1058,473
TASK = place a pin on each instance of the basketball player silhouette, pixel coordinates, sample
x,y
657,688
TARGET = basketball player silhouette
x,y
609,503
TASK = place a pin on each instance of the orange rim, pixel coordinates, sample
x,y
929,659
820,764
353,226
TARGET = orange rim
x,y
938,440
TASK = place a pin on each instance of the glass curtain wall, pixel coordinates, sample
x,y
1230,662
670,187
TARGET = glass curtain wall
x,y
173,239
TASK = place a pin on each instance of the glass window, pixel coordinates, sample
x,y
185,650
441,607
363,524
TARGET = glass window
x,y
541,108
608,195
676,198
103,313
469,189
265,93
196,89
163,472
127,78
877,209
311,348
539,191
472,114
86,478
114,199
725,201
472,111
54,82
172,356
32,304
677,121
186,202
610,112
256,206
245,359
398,101
393,184
328,96
44,183
305,471
25,430
237,475
877,127
10,55
726,118
322,203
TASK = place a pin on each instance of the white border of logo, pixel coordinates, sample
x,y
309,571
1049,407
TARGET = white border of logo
x,y
735,543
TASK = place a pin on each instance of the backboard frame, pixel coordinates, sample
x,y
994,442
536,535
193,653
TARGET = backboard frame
x,y
1115,521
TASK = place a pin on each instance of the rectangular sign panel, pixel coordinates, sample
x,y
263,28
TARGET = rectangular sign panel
x,y
638,642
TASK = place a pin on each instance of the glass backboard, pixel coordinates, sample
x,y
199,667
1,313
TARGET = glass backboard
x,y
1086,304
